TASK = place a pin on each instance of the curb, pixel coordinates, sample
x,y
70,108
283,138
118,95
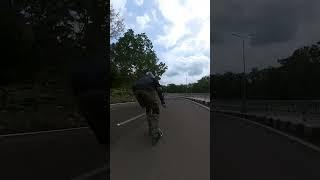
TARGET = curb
x,y
299,129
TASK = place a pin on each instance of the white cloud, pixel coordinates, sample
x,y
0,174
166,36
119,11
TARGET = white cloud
x,y
143,21
154,15
119,5
130,14
179,15
195,66
139,2
187,39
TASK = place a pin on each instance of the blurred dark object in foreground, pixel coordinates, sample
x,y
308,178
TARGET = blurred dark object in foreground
x,y
89,84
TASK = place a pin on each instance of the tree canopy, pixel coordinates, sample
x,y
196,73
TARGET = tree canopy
x,y
201,86
50,35
296,78
116,23
131,56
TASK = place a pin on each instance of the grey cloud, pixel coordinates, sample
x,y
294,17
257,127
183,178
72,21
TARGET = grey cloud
x,y
193,68
172,73
271,21
196,69
280,27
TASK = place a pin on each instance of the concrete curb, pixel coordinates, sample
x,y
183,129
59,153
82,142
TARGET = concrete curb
x,y
300,129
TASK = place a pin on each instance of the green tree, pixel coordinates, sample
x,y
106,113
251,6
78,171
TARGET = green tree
x,y
116,23
131,56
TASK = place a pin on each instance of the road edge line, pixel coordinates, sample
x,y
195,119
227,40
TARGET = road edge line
x,y
41,132
206,107
291,137
115,104
91,173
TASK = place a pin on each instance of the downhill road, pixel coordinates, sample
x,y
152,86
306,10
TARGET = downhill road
x,y
243,150
182,153
52,156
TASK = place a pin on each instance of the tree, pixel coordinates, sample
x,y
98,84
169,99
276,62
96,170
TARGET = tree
x,y
131,56
296,78
116,23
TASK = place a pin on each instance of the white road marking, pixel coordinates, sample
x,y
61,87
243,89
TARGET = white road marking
x,y
91,173
115,104
293,138
42,132
131,119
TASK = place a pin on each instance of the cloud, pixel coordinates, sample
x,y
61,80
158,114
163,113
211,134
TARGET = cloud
x,y
139,2
270,21
186,39
154,15
195,66
172,73
279,27
179,15
180,32
119,5
143,21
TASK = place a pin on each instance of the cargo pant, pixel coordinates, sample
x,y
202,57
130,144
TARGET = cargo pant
x,y
148,100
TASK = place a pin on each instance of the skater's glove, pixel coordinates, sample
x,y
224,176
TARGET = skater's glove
x,y
163,105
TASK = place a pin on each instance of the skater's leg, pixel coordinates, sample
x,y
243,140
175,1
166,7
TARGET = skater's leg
x,y
149,117
140,96
155,119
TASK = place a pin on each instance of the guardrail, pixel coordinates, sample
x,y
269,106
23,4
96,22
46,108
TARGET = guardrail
x,y
302,107
304,129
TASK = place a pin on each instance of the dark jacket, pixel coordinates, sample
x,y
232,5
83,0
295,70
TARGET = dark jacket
x,y
149,84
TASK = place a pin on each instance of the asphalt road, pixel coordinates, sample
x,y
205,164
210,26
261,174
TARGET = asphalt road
x,y
182,153
242,150
52,156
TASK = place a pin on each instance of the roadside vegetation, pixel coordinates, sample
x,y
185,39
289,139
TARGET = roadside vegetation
x,y
41,43
201,86
296,77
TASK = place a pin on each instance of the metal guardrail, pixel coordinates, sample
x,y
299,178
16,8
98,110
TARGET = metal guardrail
x,y
303,107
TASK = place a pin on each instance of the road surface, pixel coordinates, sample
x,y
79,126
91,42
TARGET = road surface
x,y
242,150
182,153
52,156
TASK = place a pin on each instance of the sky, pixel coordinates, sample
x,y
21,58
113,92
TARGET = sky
x,y
179,31
277,28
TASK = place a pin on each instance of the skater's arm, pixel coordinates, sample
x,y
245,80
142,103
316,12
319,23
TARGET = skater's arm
x,y
159,91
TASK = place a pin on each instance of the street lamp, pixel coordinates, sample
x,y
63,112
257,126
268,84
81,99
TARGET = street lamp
x,y
244,98
186,84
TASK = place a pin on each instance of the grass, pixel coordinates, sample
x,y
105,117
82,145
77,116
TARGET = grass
x,y
54,111
121,95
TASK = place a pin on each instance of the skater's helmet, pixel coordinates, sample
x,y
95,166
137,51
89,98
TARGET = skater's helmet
x,y
150,74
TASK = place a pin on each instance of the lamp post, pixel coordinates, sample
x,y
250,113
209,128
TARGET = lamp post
x,y
186,84
244,97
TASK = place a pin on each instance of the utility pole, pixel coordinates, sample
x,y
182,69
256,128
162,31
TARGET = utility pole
x,y
186,84
244,96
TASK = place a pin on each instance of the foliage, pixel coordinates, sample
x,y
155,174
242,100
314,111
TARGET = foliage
x,y
42,35
42,43
119,95
296,78
131,56
201,86
116,23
